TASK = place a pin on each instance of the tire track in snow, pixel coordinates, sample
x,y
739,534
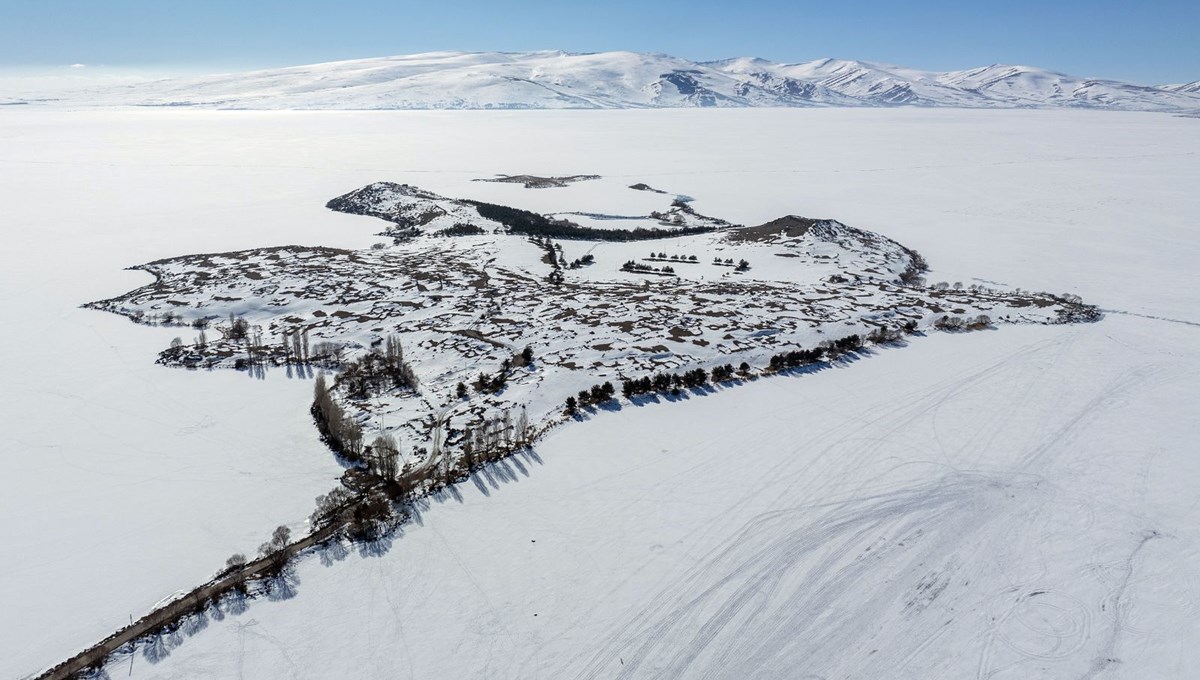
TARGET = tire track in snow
x,y
831,594
1106,656
1149,316
770,600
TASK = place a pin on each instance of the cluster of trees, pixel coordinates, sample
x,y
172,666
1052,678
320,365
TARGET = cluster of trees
x,y
383,458
167,318
532,224
238,328
832,349
886,334
597,395
490,384
257,351
671,383
726,373
794,359
674,258
277,550
330,506
848,343
463,229
524,358
363,505
364,500
496,437
583,261
958,323
638,267
371,517
293,346
294,343
1081,312
378,370
742,265
553,256
327,354
340,432
916,266
943,285
835,348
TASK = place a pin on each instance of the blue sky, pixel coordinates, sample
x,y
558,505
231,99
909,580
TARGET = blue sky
x,y
1149,42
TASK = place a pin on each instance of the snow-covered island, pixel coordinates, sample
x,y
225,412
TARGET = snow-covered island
x,y
478,326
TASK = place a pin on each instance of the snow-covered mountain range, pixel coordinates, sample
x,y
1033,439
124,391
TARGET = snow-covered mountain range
x,y
552,79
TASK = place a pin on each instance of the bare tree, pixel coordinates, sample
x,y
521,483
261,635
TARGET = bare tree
x,y
439,456
385,457
493,437
479,446
393,351
329,505
285,344
469,448
238,327
277,549
522,428
507,431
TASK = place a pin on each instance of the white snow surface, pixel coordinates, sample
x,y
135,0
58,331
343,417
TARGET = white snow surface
x,y
1016,503
1190,88
556,79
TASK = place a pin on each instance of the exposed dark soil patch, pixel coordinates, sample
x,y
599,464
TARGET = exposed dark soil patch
x,y
791,226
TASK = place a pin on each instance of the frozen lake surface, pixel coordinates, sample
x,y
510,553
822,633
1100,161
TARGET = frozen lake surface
x,y
1008,504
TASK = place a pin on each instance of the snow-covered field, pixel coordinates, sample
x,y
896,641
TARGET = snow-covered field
x,y
999,504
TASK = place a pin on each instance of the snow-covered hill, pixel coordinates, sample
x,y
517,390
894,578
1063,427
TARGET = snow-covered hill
x,y
1186,88
562,80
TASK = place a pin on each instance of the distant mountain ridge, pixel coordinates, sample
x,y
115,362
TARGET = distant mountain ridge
x,y
621,80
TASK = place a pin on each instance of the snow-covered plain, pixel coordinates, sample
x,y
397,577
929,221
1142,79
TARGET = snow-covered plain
x,y
1026,495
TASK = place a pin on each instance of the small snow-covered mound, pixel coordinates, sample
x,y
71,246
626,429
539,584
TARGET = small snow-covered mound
x,y
411,208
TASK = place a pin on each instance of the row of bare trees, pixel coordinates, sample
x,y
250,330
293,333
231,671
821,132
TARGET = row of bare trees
x,y
337,428
496,437
294,342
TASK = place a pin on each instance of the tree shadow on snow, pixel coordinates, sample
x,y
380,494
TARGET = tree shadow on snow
x,y
331,551
377,547
282,586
